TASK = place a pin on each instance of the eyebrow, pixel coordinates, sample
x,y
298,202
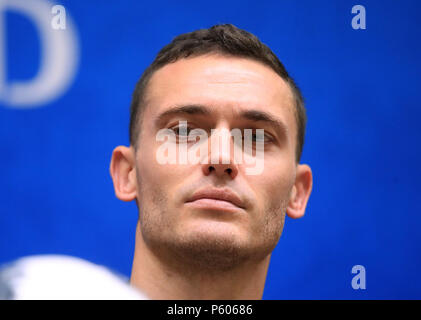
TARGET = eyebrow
x,y
253,115
183,110
257,115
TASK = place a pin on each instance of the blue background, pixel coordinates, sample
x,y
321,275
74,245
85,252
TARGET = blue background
x,y
362,91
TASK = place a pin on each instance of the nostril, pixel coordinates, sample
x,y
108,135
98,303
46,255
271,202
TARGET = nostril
x,y
219,171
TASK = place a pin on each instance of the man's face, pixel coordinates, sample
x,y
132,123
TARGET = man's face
x,y
227,90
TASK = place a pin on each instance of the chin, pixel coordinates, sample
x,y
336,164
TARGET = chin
x,y
212,253
214,231
214,248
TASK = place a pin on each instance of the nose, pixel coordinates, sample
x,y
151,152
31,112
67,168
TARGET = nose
x,y
221,155
220,170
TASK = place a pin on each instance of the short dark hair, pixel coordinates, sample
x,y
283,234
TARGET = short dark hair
x,y
224,39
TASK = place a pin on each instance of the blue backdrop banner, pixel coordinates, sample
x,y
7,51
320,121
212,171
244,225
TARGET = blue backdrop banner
x,y
65,91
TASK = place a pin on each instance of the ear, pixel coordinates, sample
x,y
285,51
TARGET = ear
x,y
300,192
123,173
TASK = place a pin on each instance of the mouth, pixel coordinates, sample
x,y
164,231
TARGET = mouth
x,y
216,199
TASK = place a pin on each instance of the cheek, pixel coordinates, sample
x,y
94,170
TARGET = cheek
x,y
157,178
274,185
150,170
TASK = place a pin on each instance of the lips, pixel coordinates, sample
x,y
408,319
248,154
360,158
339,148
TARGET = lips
x,y
221,197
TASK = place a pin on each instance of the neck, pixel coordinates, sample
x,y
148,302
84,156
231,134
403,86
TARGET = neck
x,y
159,280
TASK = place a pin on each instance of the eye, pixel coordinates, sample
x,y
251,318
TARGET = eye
x,y
182,130
257,137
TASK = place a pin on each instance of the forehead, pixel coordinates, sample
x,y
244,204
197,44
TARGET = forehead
x,y
222,82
